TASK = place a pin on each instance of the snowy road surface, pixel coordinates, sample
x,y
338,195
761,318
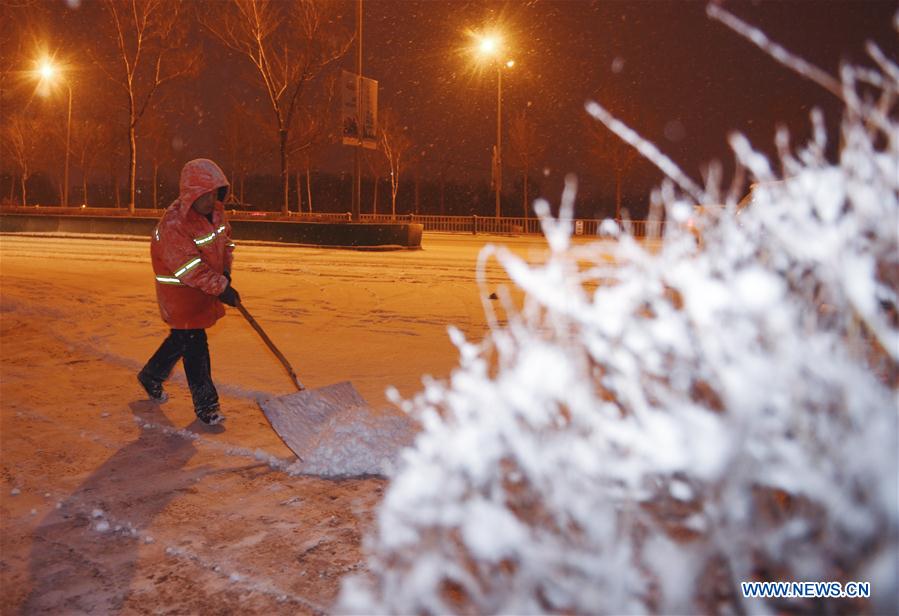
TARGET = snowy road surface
x,y
110,503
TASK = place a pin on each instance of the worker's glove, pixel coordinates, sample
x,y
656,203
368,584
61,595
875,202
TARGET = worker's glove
x,y
230,296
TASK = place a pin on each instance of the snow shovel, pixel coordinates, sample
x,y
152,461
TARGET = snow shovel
x,y
297,418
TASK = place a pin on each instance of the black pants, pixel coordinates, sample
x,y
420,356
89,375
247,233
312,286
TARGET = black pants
x,y
190,345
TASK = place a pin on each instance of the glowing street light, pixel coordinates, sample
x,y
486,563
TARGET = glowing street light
x,y
491,46
48,73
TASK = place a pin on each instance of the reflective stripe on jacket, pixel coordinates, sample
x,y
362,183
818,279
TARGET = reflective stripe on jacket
x,y
190,253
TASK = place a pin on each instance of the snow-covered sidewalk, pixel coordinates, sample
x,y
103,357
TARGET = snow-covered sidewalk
x,y
109,502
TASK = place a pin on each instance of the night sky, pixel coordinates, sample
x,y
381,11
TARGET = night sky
x,y
676,76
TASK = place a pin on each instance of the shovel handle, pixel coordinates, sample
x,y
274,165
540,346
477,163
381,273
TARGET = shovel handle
x,y
271,345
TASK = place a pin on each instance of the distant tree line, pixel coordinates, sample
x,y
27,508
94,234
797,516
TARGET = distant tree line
x,y
331,193
129,63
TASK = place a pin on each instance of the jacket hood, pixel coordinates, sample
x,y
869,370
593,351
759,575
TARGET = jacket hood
x,y
198,177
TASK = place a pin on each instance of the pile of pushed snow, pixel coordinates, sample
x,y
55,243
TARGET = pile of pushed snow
x,y
358,441
335,433
644,436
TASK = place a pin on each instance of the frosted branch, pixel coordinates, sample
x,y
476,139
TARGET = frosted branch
x,y
761,40
647,149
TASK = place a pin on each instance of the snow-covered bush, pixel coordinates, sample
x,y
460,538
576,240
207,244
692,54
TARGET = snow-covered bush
x,y
644,435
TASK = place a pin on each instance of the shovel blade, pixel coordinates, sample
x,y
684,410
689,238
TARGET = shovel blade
x,y
298,418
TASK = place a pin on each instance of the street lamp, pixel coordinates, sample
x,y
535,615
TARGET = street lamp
x,y
490,46
48,73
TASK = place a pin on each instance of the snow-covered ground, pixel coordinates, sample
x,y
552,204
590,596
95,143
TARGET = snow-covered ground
x,y
376,318
110,502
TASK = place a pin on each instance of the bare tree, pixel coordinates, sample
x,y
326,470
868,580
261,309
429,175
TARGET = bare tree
x,y
113,157
89,139
614,152
243,141
19,139
309,134
13,22
395,144
49,146
289,44
151,39
156,134
53,152
301,154
377,166
526,149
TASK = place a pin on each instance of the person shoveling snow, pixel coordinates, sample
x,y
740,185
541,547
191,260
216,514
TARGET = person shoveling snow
x,y
191,250
192,254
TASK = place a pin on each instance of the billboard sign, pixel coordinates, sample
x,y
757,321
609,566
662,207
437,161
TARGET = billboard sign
x,y
353,107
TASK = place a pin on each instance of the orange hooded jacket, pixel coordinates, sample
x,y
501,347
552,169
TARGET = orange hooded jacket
x,y
190,253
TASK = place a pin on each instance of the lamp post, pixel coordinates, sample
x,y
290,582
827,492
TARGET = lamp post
x,y
490,46
65,187
48,72
356,203
499,137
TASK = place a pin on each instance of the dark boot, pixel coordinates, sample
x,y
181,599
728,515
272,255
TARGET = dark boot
x,y
159,367
211,417
152,387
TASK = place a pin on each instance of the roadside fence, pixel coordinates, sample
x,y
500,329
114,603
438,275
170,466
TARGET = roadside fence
x,y
447,224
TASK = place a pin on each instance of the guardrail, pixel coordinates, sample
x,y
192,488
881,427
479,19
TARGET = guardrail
x,y
512,225
74,211
448,224
380,236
